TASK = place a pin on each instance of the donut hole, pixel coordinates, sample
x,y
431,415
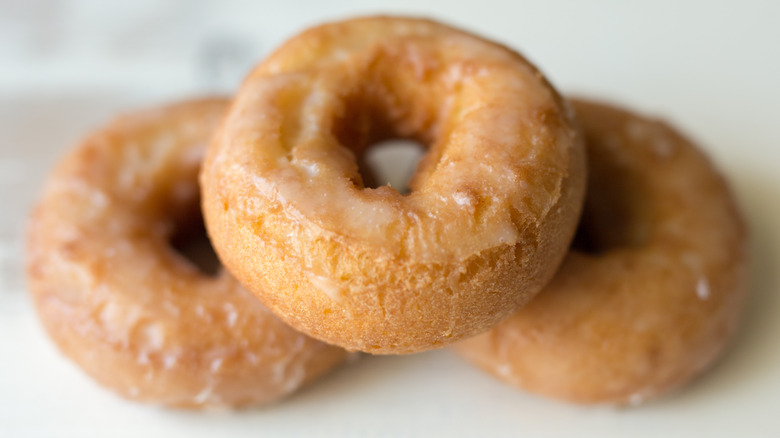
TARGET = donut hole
x,y
390,163
388,134
585,242
190,240
616,212
595,236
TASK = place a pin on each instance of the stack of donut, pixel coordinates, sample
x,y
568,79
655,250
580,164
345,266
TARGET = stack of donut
x,y
315,261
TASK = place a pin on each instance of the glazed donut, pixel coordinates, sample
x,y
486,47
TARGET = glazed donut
x,y
652,289
492,207
131,311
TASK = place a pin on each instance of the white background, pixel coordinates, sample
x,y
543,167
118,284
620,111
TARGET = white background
x,y
710,67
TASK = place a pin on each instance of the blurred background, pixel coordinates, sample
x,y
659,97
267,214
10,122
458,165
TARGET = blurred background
x,y
67,66
175,47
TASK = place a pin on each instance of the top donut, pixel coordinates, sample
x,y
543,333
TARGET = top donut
x,y
492,208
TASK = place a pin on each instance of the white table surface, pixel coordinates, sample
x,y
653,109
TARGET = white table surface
x,y
68,66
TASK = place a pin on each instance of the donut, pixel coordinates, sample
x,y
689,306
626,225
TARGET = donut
x,y
654,285
492,207
128,308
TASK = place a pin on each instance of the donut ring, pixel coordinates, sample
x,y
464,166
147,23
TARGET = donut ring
x,y
656,293
492,208
128,309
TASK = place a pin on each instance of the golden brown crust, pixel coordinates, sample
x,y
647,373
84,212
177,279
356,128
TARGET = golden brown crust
x,y
127,308
663,292
492,208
